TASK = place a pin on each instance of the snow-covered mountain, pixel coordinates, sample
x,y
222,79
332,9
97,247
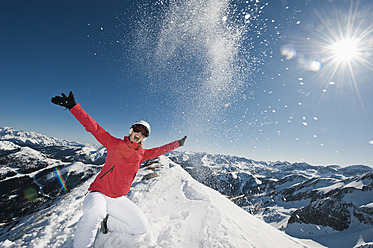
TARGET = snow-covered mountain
x,y
41,177
32,169
315,202
181,213
32,138
61,149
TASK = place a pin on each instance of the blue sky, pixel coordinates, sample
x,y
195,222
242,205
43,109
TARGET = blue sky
x,y
267,80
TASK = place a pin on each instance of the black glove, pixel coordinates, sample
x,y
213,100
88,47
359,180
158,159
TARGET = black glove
x,y
65,101
182,141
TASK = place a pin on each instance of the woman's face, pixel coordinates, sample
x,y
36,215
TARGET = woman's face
x,y
136,137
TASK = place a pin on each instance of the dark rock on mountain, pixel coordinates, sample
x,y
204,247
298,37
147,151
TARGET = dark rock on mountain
x,y
324,212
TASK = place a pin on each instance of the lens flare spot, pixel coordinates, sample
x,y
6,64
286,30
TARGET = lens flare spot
x,y
315,65
288,51
31,194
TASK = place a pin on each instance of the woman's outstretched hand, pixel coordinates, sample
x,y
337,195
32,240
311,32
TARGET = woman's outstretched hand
x,y
65,101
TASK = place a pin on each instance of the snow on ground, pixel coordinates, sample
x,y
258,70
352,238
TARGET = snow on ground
x,y
358,236
185,213
181,213
53,226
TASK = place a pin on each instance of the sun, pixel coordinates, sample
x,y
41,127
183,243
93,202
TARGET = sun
x,y
345,50
344,47
338,45
339,48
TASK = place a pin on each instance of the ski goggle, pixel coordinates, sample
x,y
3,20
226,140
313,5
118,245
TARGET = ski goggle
x,y
140,129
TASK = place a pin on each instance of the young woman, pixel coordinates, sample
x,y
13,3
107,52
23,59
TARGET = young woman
x,y
106,203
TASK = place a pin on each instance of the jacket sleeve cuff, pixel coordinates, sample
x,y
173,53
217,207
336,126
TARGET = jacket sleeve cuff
x,y
75,108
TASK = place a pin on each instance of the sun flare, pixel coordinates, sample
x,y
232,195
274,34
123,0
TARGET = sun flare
x,y
345,45
339,49
345,50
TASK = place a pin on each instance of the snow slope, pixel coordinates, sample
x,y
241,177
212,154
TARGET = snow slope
x,y
181,212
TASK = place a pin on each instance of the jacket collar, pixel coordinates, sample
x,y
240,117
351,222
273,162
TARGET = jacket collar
x,y
131,144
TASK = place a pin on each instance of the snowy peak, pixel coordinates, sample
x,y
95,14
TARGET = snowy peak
x,y
32,138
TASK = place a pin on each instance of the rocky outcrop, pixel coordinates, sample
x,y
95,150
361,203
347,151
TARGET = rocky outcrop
x,y
339,207
324,212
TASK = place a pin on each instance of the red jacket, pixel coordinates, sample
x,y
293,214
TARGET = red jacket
x,y
123,158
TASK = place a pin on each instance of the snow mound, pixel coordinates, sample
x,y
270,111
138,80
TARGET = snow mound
x,y
185,213
181,213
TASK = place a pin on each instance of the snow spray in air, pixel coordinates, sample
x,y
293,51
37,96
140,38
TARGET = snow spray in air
x,y
197,52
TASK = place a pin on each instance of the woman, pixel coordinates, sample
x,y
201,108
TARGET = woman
x,y
106,203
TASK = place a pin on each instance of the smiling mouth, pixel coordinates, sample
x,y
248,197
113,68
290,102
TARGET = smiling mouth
x,y
136,137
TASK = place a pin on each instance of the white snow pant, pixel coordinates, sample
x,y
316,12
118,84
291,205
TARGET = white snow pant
x,y
124,216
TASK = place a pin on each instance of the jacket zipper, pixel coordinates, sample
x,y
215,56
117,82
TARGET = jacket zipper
x,y
111,169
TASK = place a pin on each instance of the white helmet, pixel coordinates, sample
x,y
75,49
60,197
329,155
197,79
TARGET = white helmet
x,y
142,123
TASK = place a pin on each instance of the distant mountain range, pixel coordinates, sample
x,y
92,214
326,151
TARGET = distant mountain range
x,y
35,171
298,198
301,199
